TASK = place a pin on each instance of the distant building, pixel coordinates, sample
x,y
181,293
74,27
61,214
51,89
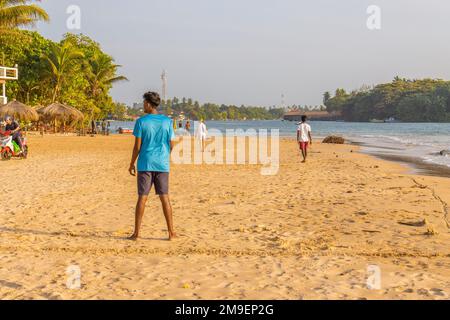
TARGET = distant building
x,y
312,115
138,106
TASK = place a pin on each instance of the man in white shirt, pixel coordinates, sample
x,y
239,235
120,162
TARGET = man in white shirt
x,y
304,137
201,134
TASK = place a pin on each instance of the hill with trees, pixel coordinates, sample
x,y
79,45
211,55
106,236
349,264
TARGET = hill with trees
x,y
426,100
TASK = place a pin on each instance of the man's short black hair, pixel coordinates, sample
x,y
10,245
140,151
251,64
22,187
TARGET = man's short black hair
x,y
153,98
304,118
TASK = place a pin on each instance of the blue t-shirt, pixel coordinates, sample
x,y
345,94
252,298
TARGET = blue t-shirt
x,y
156,132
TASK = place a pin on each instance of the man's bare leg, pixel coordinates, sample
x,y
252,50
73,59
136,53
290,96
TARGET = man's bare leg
x,y
304,154
140,208
167,208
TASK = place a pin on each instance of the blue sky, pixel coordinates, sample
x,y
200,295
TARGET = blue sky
x,y
252,51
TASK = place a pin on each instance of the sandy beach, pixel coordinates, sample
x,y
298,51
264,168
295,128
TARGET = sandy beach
x,y
309,232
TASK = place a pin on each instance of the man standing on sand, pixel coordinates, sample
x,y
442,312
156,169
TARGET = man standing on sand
x,y
154,137
304,137
201,134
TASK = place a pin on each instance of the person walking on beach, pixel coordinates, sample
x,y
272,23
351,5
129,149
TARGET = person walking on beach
x,y
154,141
202,133
304,137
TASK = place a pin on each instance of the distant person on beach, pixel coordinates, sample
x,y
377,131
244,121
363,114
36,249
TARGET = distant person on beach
x,y
175,124
180,125
188,126
93,130
154,137
201,134
104,125
304,137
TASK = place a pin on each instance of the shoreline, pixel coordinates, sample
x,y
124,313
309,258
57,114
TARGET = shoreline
x,y
416,164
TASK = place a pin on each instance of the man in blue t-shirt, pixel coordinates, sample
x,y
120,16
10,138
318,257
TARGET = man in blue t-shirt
x,y
154,141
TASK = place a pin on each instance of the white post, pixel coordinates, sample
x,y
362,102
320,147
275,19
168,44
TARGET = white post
x,y
5,75
4,98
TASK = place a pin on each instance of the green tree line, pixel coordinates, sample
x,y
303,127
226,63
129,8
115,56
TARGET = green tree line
x,y
211,111
426,100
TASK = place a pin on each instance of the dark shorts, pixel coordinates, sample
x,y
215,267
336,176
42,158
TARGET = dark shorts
x,y
146,179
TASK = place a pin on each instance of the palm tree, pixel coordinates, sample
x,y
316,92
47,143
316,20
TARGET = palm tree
x,y
26,87
101,77
18,13
103,74
61,63
326,97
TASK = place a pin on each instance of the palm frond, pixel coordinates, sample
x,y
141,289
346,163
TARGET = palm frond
x,y
17,13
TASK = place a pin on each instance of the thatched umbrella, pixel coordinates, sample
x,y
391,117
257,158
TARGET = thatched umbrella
x,y
19,111
60,112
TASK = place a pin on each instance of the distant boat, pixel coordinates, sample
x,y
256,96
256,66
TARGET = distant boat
x,y
388,120
125,131
391,120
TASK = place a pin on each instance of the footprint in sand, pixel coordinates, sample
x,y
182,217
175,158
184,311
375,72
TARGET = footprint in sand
x,y
11,285
423,292
120,233
438,292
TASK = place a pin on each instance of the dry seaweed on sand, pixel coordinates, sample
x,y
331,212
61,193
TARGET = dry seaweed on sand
x,y
334,140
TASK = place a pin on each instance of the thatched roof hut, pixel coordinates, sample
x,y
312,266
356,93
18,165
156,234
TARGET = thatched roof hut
x,y
61,112
19,111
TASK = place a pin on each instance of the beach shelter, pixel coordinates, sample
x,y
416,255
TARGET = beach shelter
x,y
61,112
58,112
19,112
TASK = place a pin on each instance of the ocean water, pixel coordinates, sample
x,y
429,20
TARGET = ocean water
x,y
422,141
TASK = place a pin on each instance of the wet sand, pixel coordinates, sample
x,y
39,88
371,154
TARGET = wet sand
x,y
419,166
416,165
309,232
